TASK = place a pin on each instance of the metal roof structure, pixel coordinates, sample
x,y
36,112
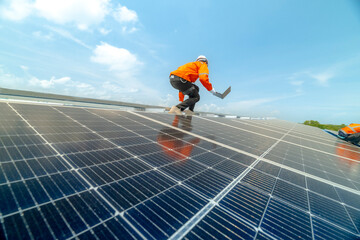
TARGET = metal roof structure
x,y
75,172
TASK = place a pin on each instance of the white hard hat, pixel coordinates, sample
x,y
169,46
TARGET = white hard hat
x,y
202,58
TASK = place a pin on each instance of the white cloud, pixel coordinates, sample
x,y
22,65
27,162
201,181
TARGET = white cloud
x,y
43,36
125,15
119,60
104,31
117,88
69,36
25,68
297,83
16,10
322,78
126,29
48,83
81,12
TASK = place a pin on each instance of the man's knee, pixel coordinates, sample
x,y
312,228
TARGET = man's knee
x,y
195,95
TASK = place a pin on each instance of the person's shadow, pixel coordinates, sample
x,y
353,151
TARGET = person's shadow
x,y
172,141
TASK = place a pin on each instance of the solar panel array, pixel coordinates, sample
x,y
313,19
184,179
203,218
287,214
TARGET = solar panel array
x,y
83,173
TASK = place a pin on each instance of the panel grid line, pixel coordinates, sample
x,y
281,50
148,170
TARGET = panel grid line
x,y
152,183
180,233
282,129
73,168
357,192
295,144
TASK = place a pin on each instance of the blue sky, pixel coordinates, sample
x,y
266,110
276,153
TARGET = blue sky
x,y
294,60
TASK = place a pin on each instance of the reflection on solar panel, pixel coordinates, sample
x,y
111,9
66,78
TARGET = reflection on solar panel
x,y
82,173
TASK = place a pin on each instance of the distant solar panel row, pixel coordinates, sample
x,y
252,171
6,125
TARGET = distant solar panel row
x,y
94,174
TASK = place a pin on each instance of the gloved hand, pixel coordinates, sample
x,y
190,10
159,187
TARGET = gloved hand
x,y
213,91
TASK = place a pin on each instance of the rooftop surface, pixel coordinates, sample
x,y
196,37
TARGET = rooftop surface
x,y
74,172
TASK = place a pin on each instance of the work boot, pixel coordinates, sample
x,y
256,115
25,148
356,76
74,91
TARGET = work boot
x,y
189,112
175,110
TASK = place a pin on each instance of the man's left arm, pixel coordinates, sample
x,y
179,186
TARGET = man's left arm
x,y
204,77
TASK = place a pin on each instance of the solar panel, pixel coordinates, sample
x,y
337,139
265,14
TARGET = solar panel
x,y
71,172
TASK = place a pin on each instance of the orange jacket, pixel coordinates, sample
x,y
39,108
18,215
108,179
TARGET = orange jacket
x,y
352,128
191,72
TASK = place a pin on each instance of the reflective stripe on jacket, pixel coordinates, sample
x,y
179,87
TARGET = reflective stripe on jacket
x,y
352,128
194,70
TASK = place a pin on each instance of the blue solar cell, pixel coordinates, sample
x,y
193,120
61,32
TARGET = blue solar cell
x,y
262,236
121,229
76,182
259,180
268,168
11,172
84,211
322,188
2,233
14,153
161,158
22,195
355,217
324,230
286,222
123,195
24,169
55,221
144,149
36,167
209,183
182,170
87,236
97,204
79,160
209,159
128,141
15,227
245,203
46,164
102,232
219,224
37,191
37,224
2,175
230,167
349,198
158,218
51,188
292,194
330,210
70,215
115,197
292,177
4,156
102,175
8,204
225,152
25,152
62,183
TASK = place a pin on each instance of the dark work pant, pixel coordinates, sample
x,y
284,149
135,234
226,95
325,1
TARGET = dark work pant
x,y
354,138
187,88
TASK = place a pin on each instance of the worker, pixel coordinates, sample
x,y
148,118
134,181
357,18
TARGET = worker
x,y
183,80
350,133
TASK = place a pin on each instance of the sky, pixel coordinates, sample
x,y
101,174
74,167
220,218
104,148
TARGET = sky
x,y
293,60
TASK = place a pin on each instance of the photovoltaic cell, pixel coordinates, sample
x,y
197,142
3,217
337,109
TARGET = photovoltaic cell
x,y
68,172
245,202
219,224
286,222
